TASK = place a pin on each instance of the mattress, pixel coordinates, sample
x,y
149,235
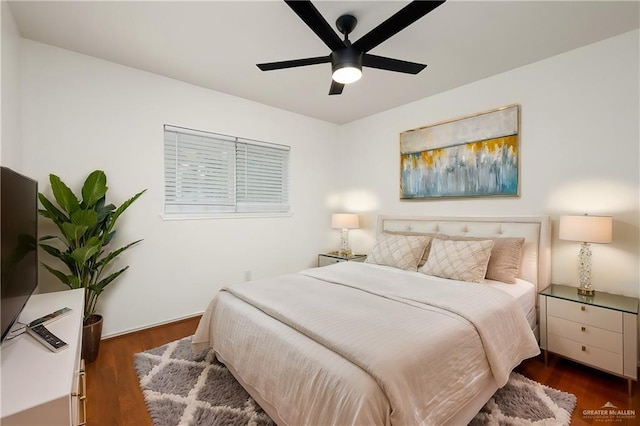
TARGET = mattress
x,y
524,292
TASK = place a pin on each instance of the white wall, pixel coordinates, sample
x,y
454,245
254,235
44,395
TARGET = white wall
x,y
579,154
10,151
80,113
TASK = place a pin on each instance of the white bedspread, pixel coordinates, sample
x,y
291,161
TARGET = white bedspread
x,y
427,343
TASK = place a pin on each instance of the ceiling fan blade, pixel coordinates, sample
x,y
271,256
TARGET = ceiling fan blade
x,y
269,66
314,20
389,64
396,23
336,88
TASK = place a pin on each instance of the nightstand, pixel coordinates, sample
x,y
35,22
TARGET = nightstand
x,y
330,258
600,331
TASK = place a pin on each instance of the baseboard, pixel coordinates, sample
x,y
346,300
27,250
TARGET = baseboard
x,y
157,324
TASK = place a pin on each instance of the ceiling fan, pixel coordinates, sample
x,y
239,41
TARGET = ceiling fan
x,y
346,58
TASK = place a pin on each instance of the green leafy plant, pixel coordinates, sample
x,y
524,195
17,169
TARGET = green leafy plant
x,y
87,226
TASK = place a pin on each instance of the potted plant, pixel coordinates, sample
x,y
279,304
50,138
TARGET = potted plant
x,y
87,226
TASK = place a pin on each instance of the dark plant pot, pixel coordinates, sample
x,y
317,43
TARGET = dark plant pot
x,y
91,335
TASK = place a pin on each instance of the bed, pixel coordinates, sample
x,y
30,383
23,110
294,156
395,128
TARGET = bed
x,y
373,343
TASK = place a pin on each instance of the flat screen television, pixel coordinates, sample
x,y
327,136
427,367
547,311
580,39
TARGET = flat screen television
x,y
18,252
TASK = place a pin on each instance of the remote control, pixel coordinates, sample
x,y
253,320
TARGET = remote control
x,y
48,318
47,338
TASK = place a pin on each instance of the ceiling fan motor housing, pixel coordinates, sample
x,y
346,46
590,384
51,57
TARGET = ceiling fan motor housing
x,y
347,57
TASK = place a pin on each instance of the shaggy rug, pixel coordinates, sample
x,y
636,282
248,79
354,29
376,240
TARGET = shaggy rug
x,y
184,389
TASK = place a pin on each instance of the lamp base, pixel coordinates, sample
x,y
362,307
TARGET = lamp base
x,y
586,291
344,243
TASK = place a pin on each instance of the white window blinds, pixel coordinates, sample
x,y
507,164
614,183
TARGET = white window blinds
x,y
207,173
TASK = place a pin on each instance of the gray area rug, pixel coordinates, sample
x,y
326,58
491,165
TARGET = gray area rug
x,y
184,389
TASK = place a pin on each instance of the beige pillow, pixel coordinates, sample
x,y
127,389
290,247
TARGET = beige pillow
x,y
463,260
399,251
504,263
425,255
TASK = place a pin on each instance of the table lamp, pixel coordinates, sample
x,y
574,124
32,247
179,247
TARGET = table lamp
x,y
586,229
344,221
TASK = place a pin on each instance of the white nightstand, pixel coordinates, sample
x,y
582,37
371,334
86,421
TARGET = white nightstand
x,y
325,259
600,331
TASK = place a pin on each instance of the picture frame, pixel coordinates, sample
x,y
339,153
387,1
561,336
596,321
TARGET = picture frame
x,y
472,156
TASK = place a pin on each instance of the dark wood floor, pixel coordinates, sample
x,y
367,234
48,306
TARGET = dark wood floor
x,y
593,388
114,397
113,394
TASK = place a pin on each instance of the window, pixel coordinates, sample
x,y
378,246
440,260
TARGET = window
x,y
207,174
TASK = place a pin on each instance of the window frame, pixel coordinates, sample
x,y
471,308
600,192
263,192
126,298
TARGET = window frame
x,y
197,207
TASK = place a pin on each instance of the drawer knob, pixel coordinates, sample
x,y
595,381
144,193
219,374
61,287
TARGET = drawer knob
x,y
582,308
583,328
584,349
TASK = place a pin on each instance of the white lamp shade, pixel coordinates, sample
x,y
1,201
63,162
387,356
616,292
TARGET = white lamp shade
x,y
587,229
344,221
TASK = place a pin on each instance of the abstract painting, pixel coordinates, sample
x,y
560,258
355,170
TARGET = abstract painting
x,y
471,156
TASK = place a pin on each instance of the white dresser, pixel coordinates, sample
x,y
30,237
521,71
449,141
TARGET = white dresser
x,y
600,331
40,387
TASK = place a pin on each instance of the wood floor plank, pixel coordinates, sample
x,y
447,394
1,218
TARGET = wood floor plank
x,y
114,396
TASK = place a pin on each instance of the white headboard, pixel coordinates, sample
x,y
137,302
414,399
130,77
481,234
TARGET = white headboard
x,y
536,230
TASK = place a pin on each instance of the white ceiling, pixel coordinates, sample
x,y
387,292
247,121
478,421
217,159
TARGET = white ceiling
x,y
216,44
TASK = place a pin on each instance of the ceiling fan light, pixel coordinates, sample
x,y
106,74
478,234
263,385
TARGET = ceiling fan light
x,y
347,74
346,65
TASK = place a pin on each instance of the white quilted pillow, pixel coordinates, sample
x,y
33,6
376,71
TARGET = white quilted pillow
x,y
399,251
463,260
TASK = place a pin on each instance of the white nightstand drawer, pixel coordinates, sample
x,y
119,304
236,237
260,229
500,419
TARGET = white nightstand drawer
x,y
585,334
586,354
607,319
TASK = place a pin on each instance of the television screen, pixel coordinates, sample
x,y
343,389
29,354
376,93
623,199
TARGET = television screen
x,y
18,252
